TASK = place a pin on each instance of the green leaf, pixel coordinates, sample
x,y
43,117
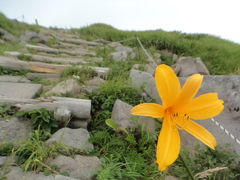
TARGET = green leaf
x,y
111,123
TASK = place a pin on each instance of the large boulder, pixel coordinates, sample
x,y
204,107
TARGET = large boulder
x,y
187,66
122,52
228,88
7,36
80,167
70,86
122,116
145,81
14,130
76,138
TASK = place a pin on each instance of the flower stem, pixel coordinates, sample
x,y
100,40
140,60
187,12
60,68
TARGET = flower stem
x,y
187,168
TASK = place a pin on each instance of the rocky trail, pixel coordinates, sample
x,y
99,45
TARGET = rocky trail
x,y
44,86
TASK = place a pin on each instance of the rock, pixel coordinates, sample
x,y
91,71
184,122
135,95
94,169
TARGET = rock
x,y
122,116
14,79
70,86
122,52
42,48
79,41
170,178
80,108
44,76
76,138
62,115
19,90
15,64
72,60
17,173
2,160
14,130
144,67
187,66
228,88
78,124
146,81
80,167
7,36
30,36
2,41
93,84
12,53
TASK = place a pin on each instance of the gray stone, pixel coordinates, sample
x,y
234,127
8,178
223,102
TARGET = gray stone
x,y
42,48
44,76
69,86
60,177
12,53
145,67
7,36
17,173
72,60
14,130
2,41
93,84
14,79
122,52
30,36
76,138
170,178
122,116
78,124
62,115
80,167
228,88
2,160
187,66
146,81
19,90
78,41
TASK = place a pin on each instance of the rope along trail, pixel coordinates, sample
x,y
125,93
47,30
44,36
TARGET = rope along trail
x,y
213,120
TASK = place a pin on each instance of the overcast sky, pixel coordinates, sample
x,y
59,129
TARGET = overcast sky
x,y
216,17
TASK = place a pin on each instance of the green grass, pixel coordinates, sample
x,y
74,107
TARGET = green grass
x,y
82,74
16,28
221,56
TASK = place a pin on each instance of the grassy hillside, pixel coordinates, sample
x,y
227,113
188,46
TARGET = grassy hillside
x,y
14,27
221,56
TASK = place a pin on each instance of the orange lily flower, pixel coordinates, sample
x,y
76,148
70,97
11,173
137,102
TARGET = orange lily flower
x,y
179,107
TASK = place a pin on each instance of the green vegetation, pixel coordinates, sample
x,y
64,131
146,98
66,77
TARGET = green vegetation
x,y
221,56
41,119
10,46
6,71
6,111
81,74
15,27
205,159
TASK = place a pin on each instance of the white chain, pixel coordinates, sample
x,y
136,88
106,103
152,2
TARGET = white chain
x,y
226,131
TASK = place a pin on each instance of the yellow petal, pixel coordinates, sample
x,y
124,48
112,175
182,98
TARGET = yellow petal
x,y
168,146
189,90
200,133
205,106
167,83
148,109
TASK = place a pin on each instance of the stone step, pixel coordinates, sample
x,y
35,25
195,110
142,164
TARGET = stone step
x,y
14,79
73,52
15,64
78,41
19,90
79,108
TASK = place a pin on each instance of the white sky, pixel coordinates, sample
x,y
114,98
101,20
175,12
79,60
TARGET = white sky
x,y
216,17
